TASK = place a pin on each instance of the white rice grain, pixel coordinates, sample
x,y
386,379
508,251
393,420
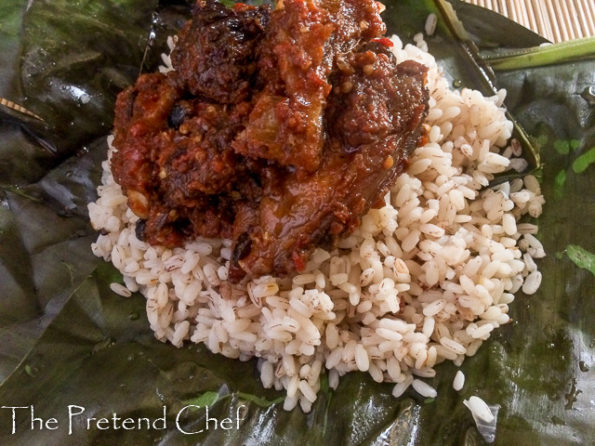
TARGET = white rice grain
x,y
479,409
459,381
532,283
424,389
361,358
401,387
120,289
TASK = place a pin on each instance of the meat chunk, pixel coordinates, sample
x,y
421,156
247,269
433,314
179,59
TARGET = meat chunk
x,y
140,128
373,126
375,98
199,158
215,53
303,41
175,163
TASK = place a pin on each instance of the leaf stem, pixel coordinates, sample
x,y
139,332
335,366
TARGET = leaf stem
x,y
543,55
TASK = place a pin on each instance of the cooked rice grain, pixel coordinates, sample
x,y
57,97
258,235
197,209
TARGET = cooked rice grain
x,y
479,409
459,381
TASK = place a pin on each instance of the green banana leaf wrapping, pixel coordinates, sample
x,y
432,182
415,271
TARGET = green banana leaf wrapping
x,y
66,339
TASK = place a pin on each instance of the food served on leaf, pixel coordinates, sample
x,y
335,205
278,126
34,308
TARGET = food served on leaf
x,y
296,187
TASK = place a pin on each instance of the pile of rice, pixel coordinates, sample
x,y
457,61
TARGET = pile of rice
x,y
426,278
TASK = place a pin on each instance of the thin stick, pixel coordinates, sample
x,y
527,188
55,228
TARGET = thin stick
x,y
590,12
19,108
493,5
543,22
503,8
575,20
511,11
551,14
587,18
531,17
561,20
581,17
571,20
522,13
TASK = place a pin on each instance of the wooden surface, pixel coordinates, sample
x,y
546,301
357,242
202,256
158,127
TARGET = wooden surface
x,y
556,20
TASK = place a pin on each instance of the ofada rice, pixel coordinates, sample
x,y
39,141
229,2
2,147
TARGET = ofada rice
x,y
426,278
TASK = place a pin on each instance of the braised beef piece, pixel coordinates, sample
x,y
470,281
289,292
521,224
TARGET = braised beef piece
x,y
303,41
140,131
277,129
215,54
374,121
199,157
175,163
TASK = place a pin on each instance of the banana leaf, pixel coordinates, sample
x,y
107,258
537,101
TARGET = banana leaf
x,y
67,340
